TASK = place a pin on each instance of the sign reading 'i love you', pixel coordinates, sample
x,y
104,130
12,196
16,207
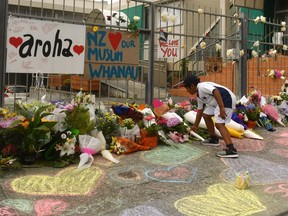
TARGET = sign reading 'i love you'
x,y
47,47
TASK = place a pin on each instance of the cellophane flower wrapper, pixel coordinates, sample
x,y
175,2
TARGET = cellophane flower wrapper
x,y
272,112
125,111
150,121
59,116
89,145
148,139
132,134
160,107
122,145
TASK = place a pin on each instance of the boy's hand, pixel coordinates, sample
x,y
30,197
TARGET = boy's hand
x,y
222,114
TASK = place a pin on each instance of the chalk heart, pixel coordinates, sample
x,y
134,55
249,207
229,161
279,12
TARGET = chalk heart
x,y
169,155
15,41
220,199
114,39
22,205
262,171
177,174
70,181
78,49
50,207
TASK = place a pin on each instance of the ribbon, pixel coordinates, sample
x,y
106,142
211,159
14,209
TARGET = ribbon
x,y
88,151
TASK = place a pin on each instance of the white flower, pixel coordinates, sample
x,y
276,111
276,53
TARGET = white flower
x,y
235,15
284,47
272,52
169,29
164,17
218,47
136,18
271,73
200,11
241,53
254,54
257,19
263,19
282,77
173,19
256,44
239,23
229,53
63,136
202,45
283,23
283,29
245,118
282,72
193,49
67,149
170,101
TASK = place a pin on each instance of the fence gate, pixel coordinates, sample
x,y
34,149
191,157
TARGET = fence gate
x,y
135,60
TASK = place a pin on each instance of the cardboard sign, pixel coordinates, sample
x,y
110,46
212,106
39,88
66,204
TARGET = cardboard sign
x,y
169,49
111,55
47,47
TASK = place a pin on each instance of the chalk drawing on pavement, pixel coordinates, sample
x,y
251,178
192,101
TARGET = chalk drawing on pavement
x,y
21,205
142,210
40,207
96,207
175,174
131,175
280,152
281,141
70,181
168,155
248,145
278,189
220,199
7,211
261,170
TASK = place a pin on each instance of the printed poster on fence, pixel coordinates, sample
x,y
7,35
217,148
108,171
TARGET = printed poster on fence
x,y
46,47
168,48
111,54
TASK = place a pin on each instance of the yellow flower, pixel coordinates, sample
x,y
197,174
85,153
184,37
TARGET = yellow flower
x,y
25,124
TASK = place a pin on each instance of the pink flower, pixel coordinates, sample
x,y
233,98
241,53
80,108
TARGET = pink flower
x,y
149,117
173,122
69,107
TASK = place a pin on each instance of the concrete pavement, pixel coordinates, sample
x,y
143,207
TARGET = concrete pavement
x,y
184,180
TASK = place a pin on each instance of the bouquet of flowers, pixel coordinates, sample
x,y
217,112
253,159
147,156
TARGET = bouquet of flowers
x,y
174,126
128,111
108,123
63,149
80,113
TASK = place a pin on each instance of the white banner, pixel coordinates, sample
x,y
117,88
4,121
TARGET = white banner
x,y
169,49
46,47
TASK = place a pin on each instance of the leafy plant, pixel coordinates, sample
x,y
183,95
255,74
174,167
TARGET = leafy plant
x,y
34,129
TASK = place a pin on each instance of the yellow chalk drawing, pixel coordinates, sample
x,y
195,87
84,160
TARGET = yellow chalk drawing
x,y
221,199
70,181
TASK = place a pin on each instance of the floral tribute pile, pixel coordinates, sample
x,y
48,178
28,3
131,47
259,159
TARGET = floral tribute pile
x,y
59,134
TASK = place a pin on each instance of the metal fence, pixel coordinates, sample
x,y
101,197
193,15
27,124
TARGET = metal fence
x,y
176,38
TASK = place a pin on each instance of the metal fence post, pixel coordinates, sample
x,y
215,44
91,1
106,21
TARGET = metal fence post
x,y
3,29
150,83
241,87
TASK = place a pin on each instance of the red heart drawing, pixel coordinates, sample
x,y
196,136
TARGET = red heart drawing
x,y
115,39
15,41
78,49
